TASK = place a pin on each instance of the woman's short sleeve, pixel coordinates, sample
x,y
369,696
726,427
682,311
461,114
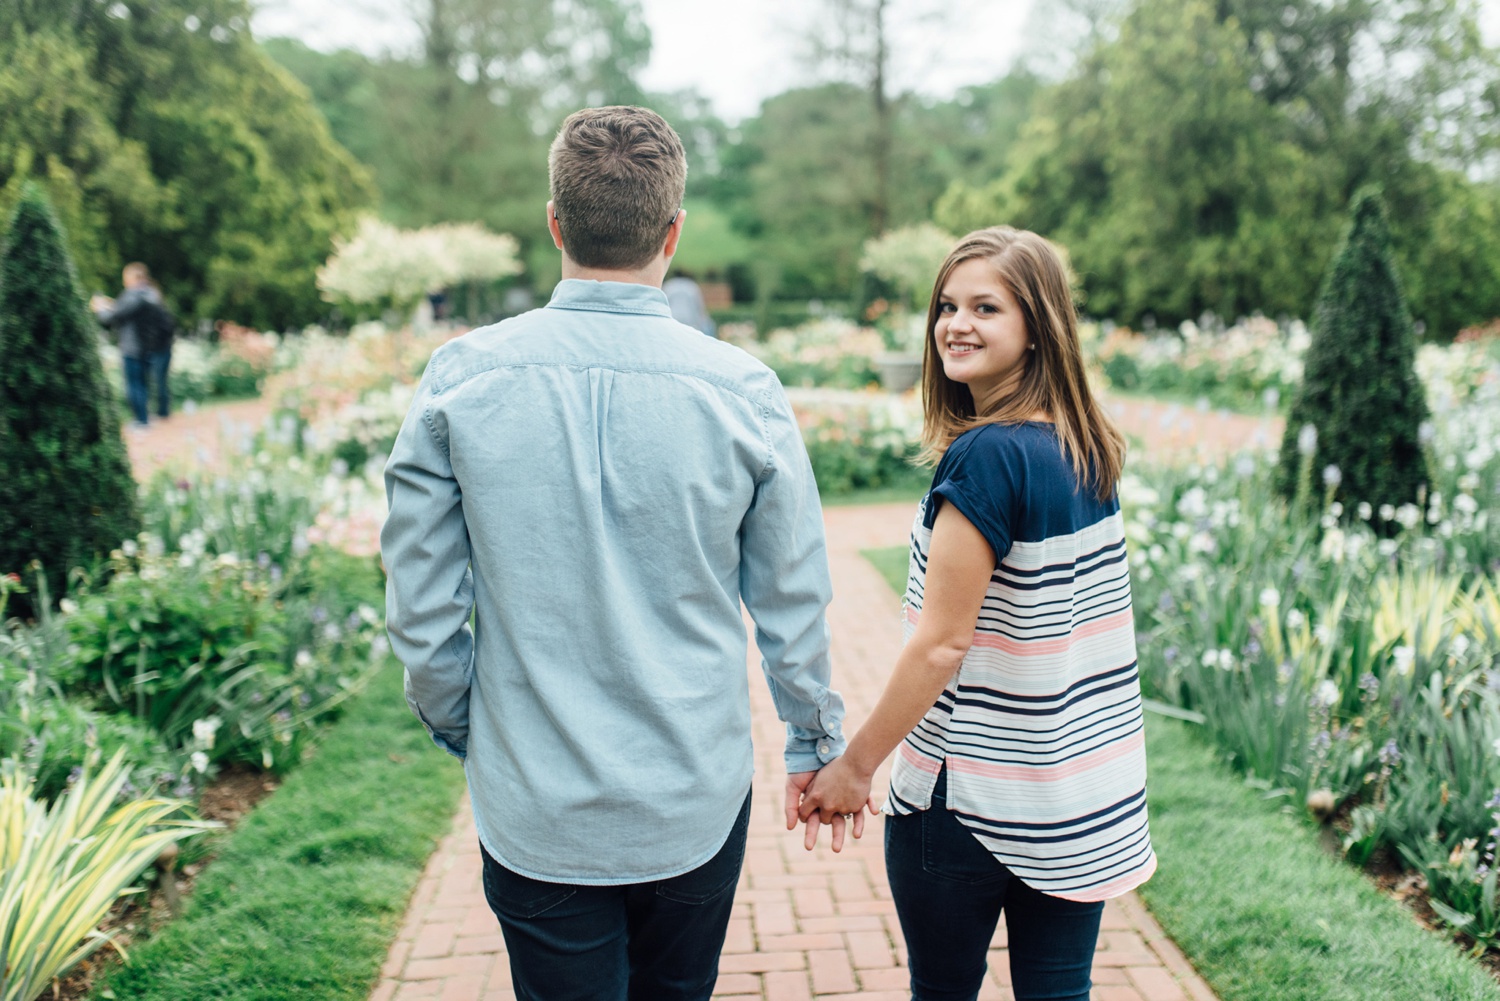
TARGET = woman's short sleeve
x,y
981,475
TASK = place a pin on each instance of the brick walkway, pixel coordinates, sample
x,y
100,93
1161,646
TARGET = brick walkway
x,y
194,437
805,925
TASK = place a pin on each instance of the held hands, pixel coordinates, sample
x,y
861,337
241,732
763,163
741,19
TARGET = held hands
x,y
837,796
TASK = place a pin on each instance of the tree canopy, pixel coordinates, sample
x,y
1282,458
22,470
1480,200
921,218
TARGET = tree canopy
x,y
164,134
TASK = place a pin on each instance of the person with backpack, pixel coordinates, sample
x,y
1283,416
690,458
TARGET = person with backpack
x,y
143,329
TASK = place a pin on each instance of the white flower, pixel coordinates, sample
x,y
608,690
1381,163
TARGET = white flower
x,y
1387,512
1363,510
129,548
1270,598
1307,440
1332,477
1426,432
1295,619
205,729
304,657
1326,694
1460,645
68,606
1193,504
1210,658
1226,660
1323,633
1402,659
1409,515
1387,547
1465,504
200,762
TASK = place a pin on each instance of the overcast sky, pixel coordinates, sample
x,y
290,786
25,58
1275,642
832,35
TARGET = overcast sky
x,y
737,52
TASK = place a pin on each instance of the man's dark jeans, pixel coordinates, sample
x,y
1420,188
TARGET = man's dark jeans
x,y
657,941
136,371
949,892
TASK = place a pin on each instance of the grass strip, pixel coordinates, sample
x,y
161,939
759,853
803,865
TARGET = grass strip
x,y
307,893
904,494
1263,913
892,562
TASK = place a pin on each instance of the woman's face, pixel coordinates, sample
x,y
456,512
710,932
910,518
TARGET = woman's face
x,y
980,334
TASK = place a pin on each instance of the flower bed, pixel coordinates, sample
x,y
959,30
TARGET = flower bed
x,y
1350,662
227,633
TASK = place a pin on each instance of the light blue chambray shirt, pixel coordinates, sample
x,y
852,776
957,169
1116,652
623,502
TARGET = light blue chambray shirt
x,y
601,486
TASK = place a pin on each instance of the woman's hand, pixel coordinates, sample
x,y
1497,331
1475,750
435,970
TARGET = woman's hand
x,y
838,794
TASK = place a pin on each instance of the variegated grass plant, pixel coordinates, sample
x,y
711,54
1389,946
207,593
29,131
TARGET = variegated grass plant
x,y
63,866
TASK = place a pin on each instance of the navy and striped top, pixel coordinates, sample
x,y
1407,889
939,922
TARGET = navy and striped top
x,y
1040,730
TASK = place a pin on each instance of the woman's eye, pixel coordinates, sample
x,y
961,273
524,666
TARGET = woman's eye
x,y
945,307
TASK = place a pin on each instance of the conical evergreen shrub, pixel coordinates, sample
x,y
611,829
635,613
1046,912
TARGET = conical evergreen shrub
x,y
1360,393
66,493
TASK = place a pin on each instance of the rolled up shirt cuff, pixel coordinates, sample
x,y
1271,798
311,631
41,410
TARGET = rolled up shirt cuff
x,y
459,749
809,755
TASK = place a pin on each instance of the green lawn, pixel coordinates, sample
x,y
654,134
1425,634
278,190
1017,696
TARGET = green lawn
x,y
1263,912
307,893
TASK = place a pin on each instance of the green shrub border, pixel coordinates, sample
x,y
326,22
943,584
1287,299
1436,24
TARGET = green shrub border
x,y
307,893
1262,911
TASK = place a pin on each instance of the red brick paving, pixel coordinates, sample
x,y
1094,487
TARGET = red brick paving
x,y
805,925
194,438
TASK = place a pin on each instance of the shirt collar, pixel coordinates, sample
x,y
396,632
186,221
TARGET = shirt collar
x,y
609,297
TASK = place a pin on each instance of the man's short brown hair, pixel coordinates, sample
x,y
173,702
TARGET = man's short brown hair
x,y
617,177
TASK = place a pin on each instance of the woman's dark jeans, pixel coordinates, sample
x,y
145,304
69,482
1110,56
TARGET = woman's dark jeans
x,y
657,941
950,892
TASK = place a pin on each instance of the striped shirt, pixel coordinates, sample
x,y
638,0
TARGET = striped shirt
x,y
1040,730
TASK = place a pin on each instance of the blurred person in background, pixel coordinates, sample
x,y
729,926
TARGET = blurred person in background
x,y
685,299
143,330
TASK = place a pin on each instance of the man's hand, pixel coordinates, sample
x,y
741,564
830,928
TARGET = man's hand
x,y
839,793
832,790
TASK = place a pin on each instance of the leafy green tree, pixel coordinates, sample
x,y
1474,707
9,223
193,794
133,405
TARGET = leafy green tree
x,y
165,134
66,493
1360,394
1200,155
459,132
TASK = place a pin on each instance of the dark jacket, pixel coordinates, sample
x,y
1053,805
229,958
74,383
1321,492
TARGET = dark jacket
x,y
131,321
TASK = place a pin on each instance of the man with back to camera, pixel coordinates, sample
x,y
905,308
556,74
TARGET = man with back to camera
x,y
601,486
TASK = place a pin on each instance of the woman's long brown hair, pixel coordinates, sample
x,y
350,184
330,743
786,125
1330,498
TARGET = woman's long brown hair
x,y
1054,381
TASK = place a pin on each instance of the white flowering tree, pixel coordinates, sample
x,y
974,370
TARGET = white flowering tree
x,y
908,259
385,266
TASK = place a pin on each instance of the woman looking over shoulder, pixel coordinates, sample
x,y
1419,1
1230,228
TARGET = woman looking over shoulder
x,y
1020,782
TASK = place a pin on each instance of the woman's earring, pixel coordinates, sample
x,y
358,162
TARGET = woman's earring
x,y
1031,346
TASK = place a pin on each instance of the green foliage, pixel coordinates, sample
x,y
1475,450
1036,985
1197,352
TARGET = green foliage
x,y
63,866
66,494
1360,392
306,894
166,135
460,133
1200,159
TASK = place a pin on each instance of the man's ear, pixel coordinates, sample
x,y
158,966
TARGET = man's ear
x,y
552,225
674,233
